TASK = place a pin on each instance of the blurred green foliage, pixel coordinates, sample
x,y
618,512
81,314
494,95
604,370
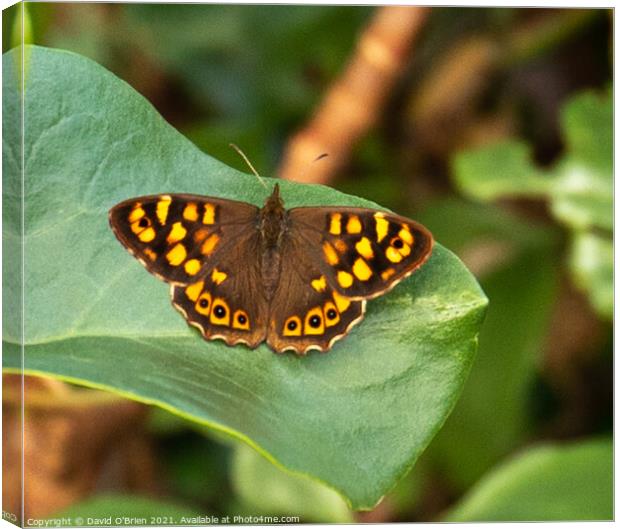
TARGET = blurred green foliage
x,y
492,416
269,490
545,483
579,188
123,509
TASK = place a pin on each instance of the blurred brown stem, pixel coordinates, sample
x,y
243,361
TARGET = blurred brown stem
x,y
75,441
354,102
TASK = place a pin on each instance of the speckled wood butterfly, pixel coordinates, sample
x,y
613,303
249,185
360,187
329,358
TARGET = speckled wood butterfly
x,y
298,279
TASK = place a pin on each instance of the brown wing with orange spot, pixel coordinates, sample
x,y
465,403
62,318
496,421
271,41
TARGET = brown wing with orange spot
x,y
227,303
306,311
176,236
363,253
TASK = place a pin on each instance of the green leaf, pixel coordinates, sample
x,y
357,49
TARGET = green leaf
x,y
356,419
271,491
592,264
546,483
499,170
579,188
582,196
124,509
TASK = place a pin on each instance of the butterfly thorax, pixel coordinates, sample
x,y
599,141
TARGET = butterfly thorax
x,y
272,220
272,226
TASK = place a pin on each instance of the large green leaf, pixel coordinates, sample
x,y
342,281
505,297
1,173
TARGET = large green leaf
x,y
545,483
355,419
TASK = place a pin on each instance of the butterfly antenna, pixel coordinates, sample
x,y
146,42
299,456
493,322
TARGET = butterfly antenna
x,y
242,154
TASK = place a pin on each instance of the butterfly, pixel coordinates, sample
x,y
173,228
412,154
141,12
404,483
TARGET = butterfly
x,y
297,279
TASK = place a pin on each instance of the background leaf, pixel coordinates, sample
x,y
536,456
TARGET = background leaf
x,y
355,419
498,170
592,262
124,508
270,490
579,187
492,416
545,483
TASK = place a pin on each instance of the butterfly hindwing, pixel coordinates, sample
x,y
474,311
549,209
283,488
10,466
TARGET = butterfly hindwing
x,y
364,253
176,236
306,311
225,303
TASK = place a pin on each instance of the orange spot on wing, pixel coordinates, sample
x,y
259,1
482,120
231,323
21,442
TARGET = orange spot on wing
x,y
332,316
342,303
223,319
209,214
319,284
361,269
364,248
293,322
203,305
136,213
190,212
241,320
335,225
406,235
177,233
140,225
177,255
354,225
311,329
387,274
345,280
200,235
150,254
218,277
381,226
330,254
209,245
340,245
162,208
147,235
393,255
192,267
193,291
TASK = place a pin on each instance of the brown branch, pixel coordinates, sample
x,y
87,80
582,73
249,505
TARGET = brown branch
x,y
355,101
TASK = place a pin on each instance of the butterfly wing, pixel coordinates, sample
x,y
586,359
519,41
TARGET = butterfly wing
x,y
227,302
306,311
177,236
363,253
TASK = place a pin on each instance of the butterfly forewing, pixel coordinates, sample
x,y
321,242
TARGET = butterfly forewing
x,y
176,236
364,253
